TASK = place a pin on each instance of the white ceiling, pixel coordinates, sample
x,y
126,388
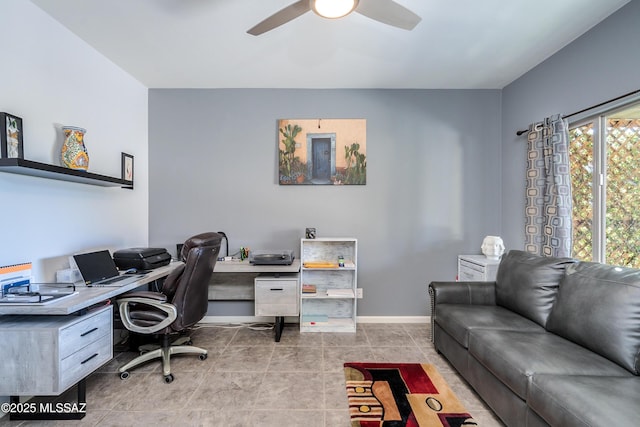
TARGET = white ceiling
x,y
459,44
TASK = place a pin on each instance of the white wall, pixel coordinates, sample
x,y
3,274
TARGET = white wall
x,y
49,78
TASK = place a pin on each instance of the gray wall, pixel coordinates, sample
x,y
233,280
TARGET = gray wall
x,y
445,167
602,64
433,181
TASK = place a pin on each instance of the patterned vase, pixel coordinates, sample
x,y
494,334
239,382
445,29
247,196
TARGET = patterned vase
x,y
74,154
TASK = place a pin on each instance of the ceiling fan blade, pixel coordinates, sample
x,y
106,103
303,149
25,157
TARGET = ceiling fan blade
x,y
283,16
388,12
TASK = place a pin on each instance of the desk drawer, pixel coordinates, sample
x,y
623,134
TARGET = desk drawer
x,y
469,275
44,355
471,266
276,296
276,291
83,362
88,329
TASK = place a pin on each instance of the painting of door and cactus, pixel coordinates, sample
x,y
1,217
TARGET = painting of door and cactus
x,y
322,151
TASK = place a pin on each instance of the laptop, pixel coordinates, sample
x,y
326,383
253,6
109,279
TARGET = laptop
x,y
99,269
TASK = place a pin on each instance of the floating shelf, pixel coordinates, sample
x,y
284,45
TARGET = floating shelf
x,y
43,170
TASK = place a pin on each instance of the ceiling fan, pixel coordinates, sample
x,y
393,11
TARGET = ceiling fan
x,y
386,11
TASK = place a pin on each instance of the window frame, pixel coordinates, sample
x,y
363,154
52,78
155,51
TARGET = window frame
x,y
598,118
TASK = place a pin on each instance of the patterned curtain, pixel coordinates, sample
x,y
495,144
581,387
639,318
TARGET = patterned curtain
x,y
548,207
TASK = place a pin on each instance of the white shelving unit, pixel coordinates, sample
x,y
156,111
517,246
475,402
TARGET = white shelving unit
x,y
333,306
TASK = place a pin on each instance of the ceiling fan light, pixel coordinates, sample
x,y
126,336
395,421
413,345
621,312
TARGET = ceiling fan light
x,y
333,8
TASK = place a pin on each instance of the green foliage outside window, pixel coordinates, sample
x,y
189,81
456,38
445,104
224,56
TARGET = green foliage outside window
x,y
622,218
581,159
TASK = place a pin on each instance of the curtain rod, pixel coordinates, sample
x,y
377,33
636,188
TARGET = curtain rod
x,y
520,132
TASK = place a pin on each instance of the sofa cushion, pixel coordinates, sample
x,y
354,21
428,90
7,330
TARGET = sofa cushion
x,y
528,284
585,400
598,307
513,357
458,319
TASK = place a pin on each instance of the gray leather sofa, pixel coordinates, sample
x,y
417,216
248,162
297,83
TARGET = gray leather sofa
x,y
552,342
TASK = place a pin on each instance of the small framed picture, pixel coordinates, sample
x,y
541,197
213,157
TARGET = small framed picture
x,y
11,137
127,169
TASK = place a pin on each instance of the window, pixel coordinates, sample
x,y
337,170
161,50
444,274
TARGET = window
x,y
604,153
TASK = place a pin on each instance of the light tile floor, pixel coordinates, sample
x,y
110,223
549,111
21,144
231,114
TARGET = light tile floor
x,y
250,380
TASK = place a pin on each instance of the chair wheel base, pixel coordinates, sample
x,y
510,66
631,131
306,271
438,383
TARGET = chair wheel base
x,y
203,356
168,378
124,375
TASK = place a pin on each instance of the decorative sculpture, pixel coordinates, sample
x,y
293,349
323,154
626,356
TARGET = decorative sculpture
x,y
492,247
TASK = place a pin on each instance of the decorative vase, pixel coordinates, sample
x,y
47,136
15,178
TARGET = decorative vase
x,y
492,247
74,154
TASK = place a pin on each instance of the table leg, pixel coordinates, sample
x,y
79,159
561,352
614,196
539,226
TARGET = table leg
x,y
279,326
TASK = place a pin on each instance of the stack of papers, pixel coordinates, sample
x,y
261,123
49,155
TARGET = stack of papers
x,y
309,290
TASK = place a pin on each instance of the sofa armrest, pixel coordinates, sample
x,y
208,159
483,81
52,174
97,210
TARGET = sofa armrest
x,y
472,293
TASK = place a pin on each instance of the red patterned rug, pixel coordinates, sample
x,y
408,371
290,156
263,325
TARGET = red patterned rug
x,y
401,395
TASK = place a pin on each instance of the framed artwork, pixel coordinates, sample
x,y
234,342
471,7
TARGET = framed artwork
x,y
322,151
11,137
127,169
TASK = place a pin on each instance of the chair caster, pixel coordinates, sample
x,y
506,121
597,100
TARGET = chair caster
x,y
124,375
168,378
203,357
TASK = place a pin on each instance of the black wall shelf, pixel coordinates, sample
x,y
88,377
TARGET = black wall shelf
x,y
43,170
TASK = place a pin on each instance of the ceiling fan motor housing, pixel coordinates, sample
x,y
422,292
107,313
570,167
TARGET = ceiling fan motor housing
x,y
333,9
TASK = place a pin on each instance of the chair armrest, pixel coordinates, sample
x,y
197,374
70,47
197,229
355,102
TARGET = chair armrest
x,y
151,301
471,293
157,296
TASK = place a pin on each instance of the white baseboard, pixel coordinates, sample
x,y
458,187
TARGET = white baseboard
x,y
394,319
360,319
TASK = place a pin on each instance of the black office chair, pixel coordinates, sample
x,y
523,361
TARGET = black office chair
x,y
181,304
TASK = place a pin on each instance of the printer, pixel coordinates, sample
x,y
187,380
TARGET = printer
x,y
141,258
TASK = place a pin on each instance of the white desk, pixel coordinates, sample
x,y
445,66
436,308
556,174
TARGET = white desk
x,y
246,267
87,296
238,281
234,280
46,349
